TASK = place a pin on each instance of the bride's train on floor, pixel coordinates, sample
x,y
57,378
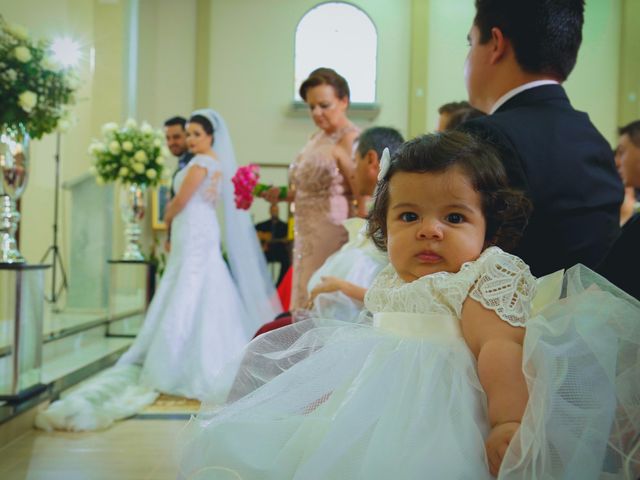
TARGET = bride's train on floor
x,y
113,395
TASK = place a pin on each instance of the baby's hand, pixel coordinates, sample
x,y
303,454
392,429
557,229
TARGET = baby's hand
x,y
497,443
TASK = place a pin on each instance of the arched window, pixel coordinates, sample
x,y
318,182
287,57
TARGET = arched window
x,y
338,35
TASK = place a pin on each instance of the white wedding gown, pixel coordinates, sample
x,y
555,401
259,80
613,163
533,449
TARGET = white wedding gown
x,y
194,325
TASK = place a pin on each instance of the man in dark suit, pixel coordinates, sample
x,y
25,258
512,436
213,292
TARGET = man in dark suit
x,y
520,53
273,234
175,134
176,137
622,263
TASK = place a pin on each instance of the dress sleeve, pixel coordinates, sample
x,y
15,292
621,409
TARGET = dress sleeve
x,y
506,286
204,161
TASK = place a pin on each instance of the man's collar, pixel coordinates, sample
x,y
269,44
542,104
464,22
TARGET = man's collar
x,y
519,89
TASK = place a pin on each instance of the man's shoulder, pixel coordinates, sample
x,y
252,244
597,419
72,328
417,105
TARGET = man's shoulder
x,y
534,119
262,226
479,124
490,130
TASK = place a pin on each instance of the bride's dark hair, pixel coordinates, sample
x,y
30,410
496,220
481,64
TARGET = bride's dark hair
x,y
205,123
506,210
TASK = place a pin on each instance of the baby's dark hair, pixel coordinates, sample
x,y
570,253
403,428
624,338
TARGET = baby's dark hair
x,y
506,210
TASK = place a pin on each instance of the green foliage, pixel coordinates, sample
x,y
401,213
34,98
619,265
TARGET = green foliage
x,y
34,90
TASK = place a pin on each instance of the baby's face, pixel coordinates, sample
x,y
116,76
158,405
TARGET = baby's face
x,y
434,223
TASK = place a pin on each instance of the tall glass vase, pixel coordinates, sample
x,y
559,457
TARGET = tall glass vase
x,y
133,201
14,172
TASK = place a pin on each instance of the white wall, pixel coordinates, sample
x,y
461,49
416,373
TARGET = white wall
x,y
166,59
252,71
593,85
449,23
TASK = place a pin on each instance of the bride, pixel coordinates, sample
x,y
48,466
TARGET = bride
x,y
202,315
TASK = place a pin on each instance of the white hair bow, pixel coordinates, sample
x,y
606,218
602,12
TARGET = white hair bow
x,y
385,163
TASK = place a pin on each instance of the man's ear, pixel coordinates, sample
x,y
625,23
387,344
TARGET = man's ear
x,y
500,45
372,159
373,163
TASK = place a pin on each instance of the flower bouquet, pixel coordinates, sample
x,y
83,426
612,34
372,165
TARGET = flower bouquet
x,y
34,89
131,154
246,186
134,155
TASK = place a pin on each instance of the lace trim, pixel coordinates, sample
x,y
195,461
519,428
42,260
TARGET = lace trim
x,y
212,192
498,280
507,287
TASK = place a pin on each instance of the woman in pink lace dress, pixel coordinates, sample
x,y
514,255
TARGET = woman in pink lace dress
x,y
320,179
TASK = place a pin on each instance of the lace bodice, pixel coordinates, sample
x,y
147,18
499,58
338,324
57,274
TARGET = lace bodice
x,y
315,172
500,281
208,192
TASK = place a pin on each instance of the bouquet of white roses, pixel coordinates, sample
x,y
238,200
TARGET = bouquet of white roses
x,y
131,154
34,89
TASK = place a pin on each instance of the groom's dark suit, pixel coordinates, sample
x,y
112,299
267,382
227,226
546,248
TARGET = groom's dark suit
x,y
566,167
184,159
622,264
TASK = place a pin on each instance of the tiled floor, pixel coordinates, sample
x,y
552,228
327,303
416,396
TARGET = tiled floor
x,y
134,449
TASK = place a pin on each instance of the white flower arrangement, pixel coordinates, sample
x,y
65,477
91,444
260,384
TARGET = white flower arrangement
x,y
129,154
35,91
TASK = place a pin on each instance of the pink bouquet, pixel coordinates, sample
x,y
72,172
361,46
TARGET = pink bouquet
x,y
246,186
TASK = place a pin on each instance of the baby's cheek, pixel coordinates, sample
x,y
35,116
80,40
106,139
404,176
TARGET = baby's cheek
x,y
395,253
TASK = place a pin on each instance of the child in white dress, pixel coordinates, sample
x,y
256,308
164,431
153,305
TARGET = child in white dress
x,y
460,373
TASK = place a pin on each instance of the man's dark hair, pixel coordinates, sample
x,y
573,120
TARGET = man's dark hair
x,y
506,210
176,121
545,34
452,107
633,130
325,76
377,138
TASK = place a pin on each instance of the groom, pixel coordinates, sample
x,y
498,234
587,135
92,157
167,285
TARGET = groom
x,y
519,55
176,137
622,263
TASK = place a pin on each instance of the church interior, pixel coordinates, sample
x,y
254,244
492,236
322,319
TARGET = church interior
x,y
74,300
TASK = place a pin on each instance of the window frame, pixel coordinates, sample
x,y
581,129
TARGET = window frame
x,y
368,110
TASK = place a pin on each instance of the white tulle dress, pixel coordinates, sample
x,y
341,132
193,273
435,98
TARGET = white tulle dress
x,y
398,396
